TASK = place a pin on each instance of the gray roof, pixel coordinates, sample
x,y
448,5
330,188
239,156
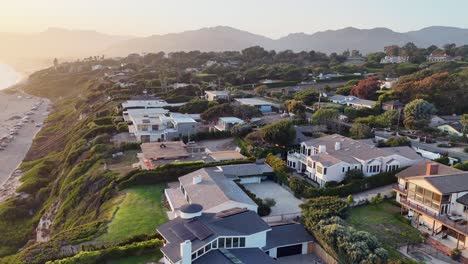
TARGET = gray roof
x,y
213,190
353,150
284,235
449,183
463,200
251,169
241,224
245,255
419,170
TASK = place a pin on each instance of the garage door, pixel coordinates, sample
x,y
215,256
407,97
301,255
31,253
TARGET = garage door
x,y
289,251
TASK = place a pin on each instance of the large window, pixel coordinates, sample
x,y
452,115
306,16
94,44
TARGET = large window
x,y
229,242
424,196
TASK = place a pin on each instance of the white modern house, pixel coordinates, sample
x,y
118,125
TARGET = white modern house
x,y
158,124
394,59
263,105
236,235
227,123
147,104
352,101
328,158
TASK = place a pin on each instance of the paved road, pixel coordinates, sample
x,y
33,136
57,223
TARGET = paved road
x,y
431,147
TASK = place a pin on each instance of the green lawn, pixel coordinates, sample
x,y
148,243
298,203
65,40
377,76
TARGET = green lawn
x,y
384,221
142,259
140,213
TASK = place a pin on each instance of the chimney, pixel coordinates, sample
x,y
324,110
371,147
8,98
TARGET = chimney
x,y
432,169
186,252
337,145
322,148
197,179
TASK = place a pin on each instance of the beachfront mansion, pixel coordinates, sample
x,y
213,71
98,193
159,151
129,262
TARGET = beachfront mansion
x,y
328,158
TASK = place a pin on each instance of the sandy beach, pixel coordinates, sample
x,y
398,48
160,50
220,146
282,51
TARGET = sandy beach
x,y
27,113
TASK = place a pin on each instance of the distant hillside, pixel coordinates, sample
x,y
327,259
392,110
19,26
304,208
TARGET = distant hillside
x,y
205,39
72,43
227,38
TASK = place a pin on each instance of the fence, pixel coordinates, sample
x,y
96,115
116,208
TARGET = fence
x,y
281,217
316,249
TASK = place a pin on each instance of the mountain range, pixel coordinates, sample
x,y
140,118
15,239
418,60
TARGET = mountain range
x,y
57,42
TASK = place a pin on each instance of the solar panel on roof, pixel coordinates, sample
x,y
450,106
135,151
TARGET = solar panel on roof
x,y
231,212
182,232
200,230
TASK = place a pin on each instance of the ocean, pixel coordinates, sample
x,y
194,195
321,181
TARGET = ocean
x,y
8,76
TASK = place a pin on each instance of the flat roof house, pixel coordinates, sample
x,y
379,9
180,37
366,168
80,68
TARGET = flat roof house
x,y
157,124
227,123
216,95
435,197
352,101
263,105
155,154
235,235
328,158
146,104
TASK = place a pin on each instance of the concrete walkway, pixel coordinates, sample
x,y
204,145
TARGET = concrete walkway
x,y
286,203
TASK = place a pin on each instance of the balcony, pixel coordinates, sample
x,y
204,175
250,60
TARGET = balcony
x,y
458,225
400,189
296,155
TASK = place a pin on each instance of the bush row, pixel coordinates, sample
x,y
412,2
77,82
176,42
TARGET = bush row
x,y
101,256
168,172
354,186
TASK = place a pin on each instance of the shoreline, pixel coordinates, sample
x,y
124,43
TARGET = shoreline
x,y
12,74
17,105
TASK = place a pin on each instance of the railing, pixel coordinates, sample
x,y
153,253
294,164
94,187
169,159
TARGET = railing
x,y
297,155
463,228
399,188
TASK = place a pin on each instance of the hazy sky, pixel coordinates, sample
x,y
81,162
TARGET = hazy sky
x,y
273,18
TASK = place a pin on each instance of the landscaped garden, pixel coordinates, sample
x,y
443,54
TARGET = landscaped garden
x,y
385,222
139,214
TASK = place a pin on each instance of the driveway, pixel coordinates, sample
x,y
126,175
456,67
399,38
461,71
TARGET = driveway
x,y
300,259
286,203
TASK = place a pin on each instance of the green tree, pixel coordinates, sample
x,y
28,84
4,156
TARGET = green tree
x,y
417,113
464,123
360,131
260,90
325,116
349,199
282,133
307,96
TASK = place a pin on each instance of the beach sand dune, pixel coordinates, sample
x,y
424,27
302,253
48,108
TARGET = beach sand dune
x,y
14,109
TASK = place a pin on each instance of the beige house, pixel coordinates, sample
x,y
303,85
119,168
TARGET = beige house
x,y
435,197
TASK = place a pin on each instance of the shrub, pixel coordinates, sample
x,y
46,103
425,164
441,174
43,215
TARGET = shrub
x,y
350,199
101,256
353,174
270,202
455,254
315,210
264,210
465,149
168,172
377,199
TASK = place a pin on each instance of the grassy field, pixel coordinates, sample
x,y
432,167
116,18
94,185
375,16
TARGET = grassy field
x,y
384,221
140,213
142,259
